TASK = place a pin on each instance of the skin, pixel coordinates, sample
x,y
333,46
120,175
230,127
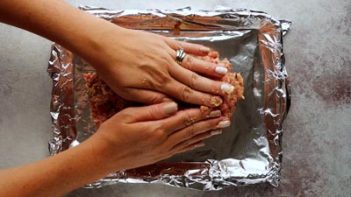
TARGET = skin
x,y
135,136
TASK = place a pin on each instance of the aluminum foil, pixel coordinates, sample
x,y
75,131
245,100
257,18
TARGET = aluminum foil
x,y
248,152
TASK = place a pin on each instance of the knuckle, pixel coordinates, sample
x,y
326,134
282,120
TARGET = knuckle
x,y
188,119
185,93
193,79
185,121
157,78
208,67
161,80
156,98
171,56
187,143
191,131
128,113
152,112
160,134
201,115
176,44
147,83
206,100
167,57
188,62
166,80
195,115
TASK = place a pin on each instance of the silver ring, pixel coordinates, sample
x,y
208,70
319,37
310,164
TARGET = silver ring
x,y
180,55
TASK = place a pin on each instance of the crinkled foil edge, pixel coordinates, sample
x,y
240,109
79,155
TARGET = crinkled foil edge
x,y
60,70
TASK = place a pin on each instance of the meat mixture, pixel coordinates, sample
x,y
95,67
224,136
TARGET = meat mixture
x,y
105,103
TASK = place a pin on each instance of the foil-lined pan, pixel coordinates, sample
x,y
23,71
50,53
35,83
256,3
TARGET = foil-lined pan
x,y
248,152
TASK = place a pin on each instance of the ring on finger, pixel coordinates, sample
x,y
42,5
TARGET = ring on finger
x,y
180,55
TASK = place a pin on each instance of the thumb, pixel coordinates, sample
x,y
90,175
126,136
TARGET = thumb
x,y
154,112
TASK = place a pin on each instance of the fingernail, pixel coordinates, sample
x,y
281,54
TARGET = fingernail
x,y
216,132
227,88
199,145
216,101
214,114
221,70
223,124
170,108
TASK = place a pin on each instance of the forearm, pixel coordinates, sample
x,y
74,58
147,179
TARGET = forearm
x,y
56,175
58,21
79,32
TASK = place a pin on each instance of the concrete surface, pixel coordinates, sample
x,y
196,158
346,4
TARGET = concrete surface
x,y
317,139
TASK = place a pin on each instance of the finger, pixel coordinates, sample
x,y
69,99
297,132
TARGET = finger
x,y
196,129
200,83
187,117
204,67
151,112
200,137
189,148
195,140
208,65
190,48
146,96
188,95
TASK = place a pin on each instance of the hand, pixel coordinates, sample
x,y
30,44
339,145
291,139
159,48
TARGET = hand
x,y
140,136
133,137
141,66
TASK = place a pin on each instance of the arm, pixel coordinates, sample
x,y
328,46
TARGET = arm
x,y
159,129
56,21
117,52
56,175
95,40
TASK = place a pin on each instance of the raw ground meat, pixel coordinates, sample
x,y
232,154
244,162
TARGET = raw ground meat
x,y
235,79
105,103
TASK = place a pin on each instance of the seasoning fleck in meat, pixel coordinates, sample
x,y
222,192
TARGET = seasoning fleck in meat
x,y
105,103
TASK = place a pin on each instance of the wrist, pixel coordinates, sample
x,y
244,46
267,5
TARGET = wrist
x,y
103,154
92,44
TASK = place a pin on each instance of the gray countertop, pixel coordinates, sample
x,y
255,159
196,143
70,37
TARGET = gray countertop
x,y
317,135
